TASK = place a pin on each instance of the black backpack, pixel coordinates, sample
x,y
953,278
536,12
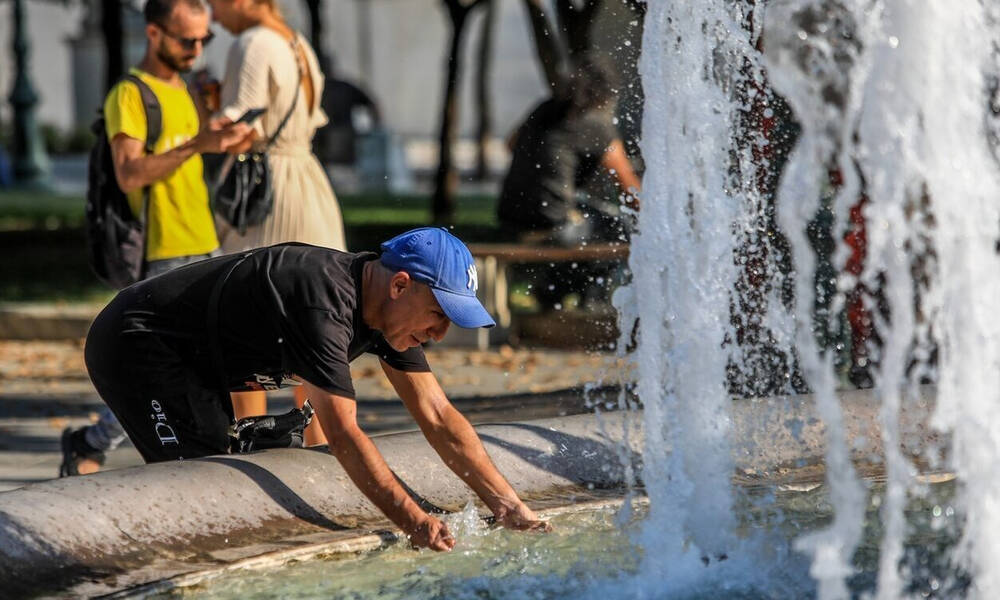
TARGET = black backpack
x,y
116,239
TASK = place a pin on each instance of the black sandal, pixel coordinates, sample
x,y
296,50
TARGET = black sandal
x,y
74,449
270,431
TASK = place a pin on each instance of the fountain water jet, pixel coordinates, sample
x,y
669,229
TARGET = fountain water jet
x,y
682,269
894,97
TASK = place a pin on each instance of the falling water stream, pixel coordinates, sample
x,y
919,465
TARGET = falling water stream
x,y
895,104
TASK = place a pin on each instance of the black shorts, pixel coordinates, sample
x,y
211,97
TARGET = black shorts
x,y
166,409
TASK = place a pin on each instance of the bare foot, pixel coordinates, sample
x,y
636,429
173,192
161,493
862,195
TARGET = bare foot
x,y
86,466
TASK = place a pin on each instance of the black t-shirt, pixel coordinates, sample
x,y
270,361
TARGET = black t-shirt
x,y
286,309
555,152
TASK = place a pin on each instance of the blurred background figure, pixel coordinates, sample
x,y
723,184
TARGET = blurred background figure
x,y
351,113
556,189
272,66
558,151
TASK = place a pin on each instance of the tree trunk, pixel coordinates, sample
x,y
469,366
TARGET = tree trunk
x,y
483,90
576,23
111,28
547,44
446,180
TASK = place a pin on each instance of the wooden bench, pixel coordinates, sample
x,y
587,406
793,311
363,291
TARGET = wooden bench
x,y
493,260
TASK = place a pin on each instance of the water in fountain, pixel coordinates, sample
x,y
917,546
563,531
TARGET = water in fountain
x,y
696,58
894,98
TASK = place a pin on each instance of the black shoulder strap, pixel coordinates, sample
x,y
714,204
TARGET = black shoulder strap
x,y
154,127
154,116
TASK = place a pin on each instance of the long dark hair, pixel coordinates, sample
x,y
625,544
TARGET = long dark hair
x,y
591,85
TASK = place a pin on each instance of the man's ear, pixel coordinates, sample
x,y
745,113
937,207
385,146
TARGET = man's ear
x,y
153,32
399,284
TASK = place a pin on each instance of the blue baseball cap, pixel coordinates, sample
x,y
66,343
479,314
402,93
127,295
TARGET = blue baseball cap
x,y
440,260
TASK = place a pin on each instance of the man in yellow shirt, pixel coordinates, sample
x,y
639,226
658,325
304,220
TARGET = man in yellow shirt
x,y
180,228
179,225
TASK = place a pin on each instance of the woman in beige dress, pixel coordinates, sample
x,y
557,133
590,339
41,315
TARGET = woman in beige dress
x,y
264,65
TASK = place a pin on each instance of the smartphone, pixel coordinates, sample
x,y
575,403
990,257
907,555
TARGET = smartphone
x,y
251,115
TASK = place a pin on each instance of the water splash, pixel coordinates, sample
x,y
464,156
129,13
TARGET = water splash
x,y
815,60
963,188
682,270
893,98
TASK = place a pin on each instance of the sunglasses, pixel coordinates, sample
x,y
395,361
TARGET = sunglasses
x,y
188,43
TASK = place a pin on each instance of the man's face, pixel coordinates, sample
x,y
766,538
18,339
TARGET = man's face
x,y
181,38
412,315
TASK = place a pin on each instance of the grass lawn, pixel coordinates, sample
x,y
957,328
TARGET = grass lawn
x,y
22,210
372,209
42,242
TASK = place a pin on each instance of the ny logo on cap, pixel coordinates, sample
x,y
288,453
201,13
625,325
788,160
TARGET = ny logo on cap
x,y
473,283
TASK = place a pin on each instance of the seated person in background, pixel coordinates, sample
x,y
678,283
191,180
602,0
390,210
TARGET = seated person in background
x,y
342,101
562,145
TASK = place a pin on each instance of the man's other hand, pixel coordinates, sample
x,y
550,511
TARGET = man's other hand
x,y
521,518
432,533
220,122
219,137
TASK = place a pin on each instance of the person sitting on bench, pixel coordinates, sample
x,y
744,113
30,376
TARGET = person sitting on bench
x,y
563,144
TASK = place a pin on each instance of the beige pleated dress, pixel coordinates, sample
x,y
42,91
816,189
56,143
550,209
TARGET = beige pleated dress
x,y
261,72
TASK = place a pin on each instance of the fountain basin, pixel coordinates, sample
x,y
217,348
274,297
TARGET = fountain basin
x,y
117,530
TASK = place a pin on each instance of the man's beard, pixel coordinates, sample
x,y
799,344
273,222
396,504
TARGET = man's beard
x,y
172,61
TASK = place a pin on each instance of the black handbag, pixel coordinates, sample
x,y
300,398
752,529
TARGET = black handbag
x,y
244,194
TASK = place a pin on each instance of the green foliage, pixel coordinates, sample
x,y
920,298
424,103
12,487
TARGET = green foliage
x,y
77,140
47,266
412,209
42,238
30,210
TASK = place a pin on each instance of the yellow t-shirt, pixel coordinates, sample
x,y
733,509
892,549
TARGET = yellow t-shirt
x,y
180,220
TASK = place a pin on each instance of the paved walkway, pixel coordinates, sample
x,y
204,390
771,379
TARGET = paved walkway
x,y
44,388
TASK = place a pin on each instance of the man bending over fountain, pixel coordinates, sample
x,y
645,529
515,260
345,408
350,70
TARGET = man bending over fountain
x,y
166,352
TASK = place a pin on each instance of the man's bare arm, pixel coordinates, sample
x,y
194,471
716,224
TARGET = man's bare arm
x,y
135,169
616,161
458,444
368,470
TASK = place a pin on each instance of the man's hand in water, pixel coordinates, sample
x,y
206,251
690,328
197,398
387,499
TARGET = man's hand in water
x,y
431,533
518,516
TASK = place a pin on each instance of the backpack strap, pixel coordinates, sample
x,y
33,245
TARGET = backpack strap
x,y
154,127
154,115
